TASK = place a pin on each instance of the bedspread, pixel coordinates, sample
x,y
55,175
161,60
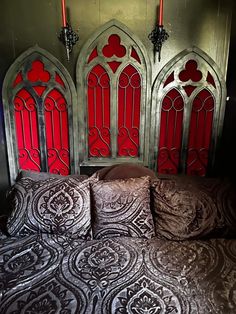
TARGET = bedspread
x,y
55,274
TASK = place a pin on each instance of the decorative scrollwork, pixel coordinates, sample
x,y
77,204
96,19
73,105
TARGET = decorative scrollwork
x,y
168,160
58,161
29,158
99,142
128,141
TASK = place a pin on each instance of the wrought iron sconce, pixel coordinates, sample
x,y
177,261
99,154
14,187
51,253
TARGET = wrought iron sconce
x,y
67,36
159,34
157,37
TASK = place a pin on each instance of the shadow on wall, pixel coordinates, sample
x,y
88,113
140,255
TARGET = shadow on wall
x,y
4,179
227,158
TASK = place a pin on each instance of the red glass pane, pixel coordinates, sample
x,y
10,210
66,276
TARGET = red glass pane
x,y
135,55
114,65
200,133
39,90
169,79
190,72
26,124
59,80
57,133
129,102
114,47
93,55
210,79
18,79
170,132
98,85
189,89
37,72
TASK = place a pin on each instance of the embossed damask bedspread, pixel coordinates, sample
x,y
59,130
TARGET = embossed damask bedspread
x,y
51,274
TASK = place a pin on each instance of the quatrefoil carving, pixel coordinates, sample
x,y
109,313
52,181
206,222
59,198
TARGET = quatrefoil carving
x,y
190,72
114,47
37,72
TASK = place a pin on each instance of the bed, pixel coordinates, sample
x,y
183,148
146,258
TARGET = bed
x,y
141,245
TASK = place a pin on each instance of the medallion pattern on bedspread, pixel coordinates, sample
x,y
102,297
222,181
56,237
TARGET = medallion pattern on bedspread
x,y
101,264
117,276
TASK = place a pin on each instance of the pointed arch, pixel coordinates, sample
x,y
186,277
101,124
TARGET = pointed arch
x,y
117,50
39,100
201,85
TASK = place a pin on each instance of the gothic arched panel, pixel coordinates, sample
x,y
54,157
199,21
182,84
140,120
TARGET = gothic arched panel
x,y
123,58
198,80
38,98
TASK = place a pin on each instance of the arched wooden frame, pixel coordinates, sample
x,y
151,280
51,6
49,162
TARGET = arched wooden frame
x,y
161,87
99,39
65,87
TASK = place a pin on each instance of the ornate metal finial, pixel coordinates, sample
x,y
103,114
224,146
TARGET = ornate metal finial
x,y
157,37
68,37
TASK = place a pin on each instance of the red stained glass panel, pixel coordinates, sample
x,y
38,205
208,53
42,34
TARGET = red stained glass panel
x,y
93,55
200,133
170,132
57,133
26,125
98,85
129,104
114,47
38,73
135,55
190,72
18,79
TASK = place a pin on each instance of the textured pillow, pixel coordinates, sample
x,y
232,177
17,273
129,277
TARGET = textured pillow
x,y
124,171
220,193
38,176
122,208
182,210
60,206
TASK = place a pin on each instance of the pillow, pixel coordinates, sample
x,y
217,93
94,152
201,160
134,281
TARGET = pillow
x,y
219,195
124,171
122,208
59,206
38,176
182,210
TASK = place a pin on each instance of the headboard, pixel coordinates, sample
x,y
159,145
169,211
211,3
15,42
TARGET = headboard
x,y
115,114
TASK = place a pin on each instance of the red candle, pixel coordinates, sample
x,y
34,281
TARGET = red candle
x,y
63,8
161,13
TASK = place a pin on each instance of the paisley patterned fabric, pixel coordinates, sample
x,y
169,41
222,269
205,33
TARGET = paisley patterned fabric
x,y
182,211
60,206
46,273
122,208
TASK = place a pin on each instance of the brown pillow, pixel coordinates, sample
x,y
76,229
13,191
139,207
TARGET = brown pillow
x,y
221,192
182,210
124,171
122,208
59,206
